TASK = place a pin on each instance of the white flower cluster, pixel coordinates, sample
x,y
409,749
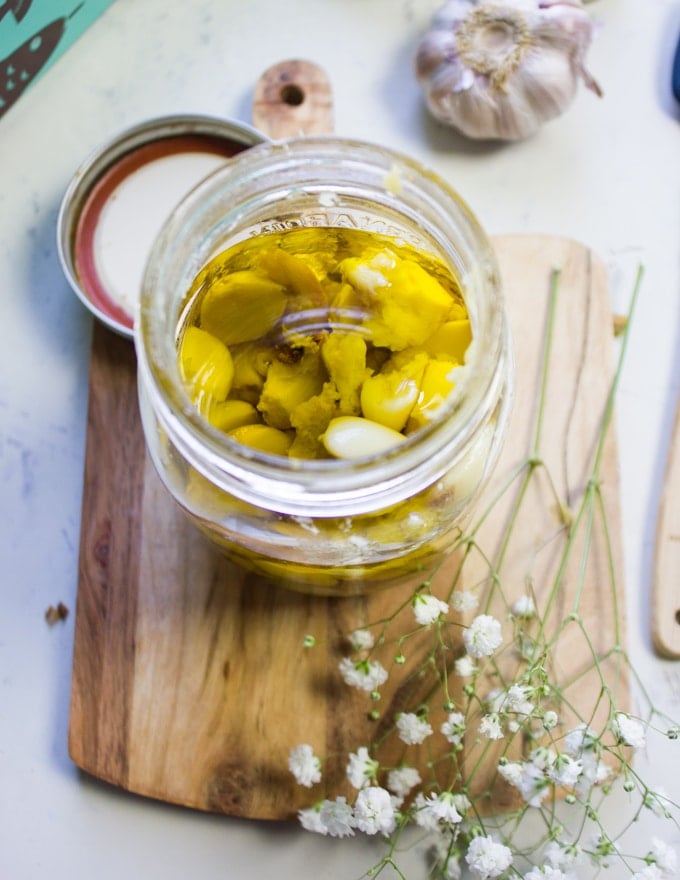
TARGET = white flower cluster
x,y
387,798
483,636
464,600
629,731
304,765
427,608
362,640
578,767
465,666
512,705
412,729
375,809
367,675
361,769
374,812
524,607
487,858
439,810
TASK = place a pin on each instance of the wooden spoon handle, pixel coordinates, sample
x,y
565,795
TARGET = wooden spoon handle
x,y
666,585
293,98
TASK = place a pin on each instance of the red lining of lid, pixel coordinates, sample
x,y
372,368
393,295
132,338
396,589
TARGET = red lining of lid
x,y
83,243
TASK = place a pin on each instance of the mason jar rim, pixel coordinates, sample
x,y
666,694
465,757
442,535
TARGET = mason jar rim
x,y
289,172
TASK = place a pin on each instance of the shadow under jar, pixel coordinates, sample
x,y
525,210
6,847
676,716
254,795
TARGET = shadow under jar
x,y
326,525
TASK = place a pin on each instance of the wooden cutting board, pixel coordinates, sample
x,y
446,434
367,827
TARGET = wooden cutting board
x,y
190,684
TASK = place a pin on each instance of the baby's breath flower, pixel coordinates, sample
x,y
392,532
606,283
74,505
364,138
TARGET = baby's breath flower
x,y
550,719
628,730
310,819
566,770
428,608
516,700
483,636
362,640
361,768
465,666
547,873
543,757
665,857
412,728
363,674
581,739
511,771
528,779
464,600
336,817
490,726
487,858
439,809
401,780
523,607
423,815
374,811
304,765
454,727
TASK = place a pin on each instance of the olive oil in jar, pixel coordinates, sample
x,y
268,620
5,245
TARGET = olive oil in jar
x,y
322,342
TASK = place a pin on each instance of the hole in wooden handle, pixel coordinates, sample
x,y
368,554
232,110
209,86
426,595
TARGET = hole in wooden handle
x,y
292,94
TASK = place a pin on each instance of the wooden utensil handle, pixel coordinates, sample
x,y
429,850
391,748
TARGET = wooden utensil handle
x,y
666,585
293,98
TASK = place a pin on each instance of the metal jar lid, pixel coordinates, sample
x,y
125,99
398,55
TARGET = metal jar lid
x,y
122,194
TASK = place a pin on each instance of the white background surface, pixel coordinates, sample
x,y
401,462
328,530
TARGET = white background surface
x,y
606,173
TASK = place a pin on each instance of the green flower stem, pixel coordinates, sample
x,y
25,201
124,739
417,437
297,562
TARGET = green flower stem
x,y
555,278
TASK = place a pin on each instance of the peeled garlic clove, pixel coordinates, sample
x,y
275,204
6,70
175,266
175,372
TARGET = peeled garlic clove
x,y
355,437
242,307
206,365
499,69
230,414
263,437
388,399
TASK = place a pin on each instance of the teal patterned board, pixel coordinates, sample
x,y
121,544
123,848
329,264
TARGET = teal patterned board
x,y
33,34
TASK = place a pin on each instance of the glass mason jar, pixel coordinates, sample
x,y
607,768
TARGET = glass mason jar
x,y
328,526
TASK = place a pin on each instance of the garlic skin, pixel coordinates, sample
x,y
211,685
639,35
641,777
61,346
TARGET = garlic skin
x,y
499,69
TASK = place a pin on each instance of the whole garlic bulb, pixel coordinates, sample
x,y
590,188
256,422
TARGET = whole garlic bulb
x,y
501,68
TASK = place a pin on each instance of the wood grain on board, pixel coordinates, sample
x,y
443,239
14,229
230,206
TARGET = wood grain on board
x,y
190,683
